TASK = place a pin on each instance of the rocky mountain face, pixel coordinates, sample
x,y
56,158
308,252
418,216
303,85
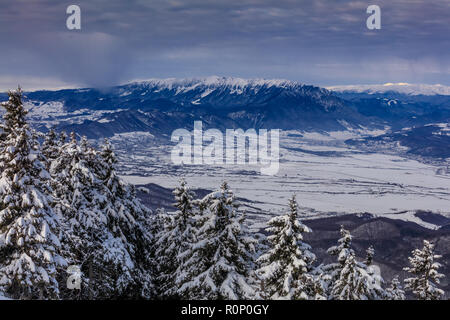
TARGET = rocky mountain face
x,y
159,106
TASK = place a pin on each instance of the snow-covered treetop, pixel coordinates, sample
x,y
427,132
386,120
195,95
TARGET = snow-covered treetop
x,y
424,271
370,252
15,111
343,250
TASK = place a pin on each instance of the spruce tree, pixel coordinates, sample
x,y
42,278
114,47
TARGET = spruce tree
x,y
370,252
349,279
50,147
375,280
285,267
98,249
217,265
159,223
62,138
30,249
127,220
424,270
175,239
395,290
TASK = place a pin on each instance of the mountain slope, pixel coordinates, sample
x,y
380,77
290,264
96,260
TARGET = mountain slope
x,y
160,106
403,88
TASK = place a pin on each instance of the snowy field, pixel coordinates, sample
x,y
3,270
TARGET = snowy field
x,y
327,176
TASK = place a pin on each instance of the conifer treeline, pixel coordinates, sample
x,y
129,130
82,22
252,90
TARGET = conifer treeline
x,y
63,205
218,258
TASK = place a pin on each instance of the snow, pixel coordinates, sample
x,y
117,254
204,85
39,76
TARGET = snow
x,y
125,93
206,93
134,135
349,182
104,120
406,88
424,272
51,113
209,84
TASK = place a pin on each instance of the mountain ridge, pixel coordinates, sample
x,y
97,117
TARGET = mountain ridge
x,y
401,87
159,106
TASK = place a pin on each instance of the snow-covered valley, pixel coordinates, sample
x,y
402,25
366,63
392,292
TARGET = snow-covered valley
x,y
353,152
379,168
328,177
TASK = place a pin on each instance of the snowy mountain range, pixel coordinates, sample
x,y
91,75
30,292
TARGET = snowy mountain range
x,y
159,106
343,153
401,87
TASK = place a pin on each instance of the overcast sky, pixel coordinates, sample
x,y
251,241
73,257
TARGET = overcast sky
x,y
322,42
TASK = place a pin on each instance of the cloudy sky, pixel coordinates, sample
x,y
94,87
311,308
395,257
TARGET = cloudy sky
x,y
322,42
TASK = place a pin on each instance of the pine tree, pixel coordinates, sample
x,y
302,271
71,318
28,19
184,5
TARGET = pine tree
x,y
100,250
395,290
30,250
159,223
62,138
217,265
425,273
175,239
375,280
370,252
127,220
50,147
349,279
285,267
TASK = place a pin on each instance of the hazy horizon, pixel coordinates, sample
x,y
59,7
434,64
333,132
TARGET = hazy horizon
x,y
34,85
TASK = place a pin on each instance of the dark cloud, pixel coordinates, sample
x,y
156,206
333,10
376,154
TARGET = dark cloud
x,y
322,41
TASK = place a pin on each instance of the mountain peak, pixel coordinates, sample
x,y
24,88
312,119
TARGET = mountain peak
x,y
214,82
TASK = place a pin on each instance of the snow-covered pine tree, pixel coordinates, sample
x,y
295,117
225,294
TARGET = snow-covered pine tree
x,y
143,274
370,252
395,290
103,257
62,138
175,240
349,279
121,208
374,272
285,267
128,220
30,249
50,147
425,273
218,264
157,226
